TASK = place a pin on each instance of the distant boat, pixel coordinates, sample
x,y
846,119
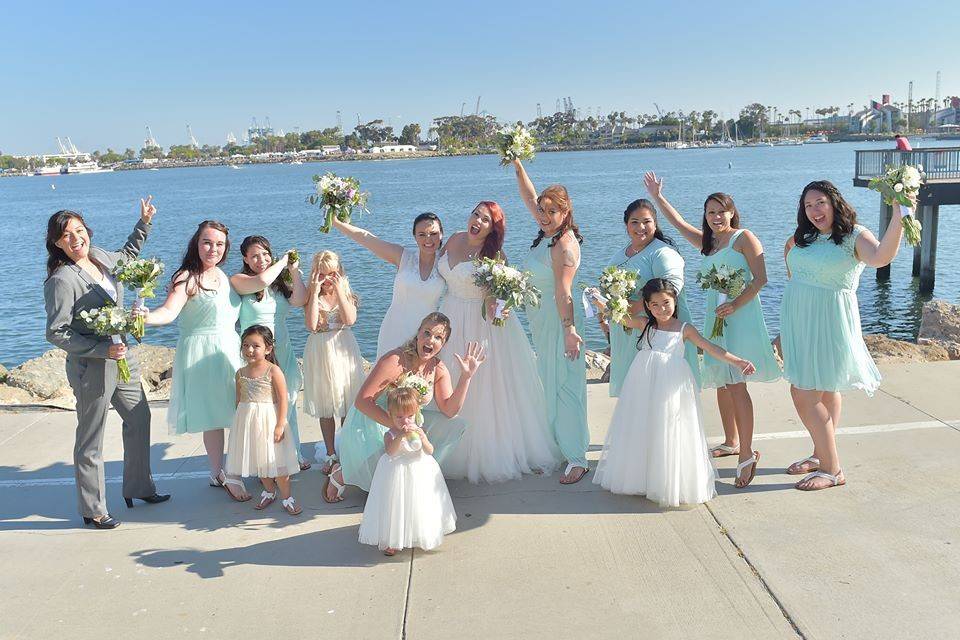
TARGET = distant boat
x,y
54,170
88,166
233,166
53,186
296,162
788,142
817,139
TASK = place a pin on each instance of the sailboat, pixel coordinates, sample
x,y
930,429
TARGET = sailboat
x,y
761,142
679,144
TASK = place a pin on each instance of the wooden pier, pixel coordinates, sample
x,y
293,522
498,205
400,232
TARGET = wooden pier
x,y
941,187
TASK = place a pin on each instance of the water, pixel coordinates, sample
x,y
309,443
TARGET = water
x,y
270,200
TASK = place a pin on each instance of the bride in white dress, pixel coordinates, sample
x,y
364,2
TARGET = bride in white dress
x,y
507,432
417,286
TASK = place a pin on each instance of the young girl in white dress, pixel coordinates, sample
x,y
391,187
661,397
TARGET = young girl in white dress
x,y
261,443
409,505
332,362
655,444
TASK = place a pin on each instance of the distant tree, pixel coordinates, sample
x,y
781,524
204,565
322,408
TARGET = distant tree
x,y
374,133
110,157
129,154
352,141
183,152
151,152
410,134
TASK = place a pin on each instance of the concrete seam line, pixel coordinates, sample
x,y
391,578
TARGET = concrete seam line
x,y
39,418
952,424
756,572
406,599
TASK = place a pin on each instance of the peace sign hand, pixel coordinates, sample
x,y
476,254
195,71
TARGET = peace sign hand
x,y
147,209
653,184
472,360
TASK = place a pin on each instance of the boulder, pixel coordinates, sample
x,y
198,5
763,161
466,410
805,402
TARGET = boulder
x,y
884,349
597,364
44,377
156,364
3,373
15,395
940,325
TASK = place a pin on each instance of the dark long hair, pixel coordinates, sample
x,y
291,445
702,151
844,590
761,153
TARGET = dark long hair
x,y
493,243
279,285
56,257
558,193
725,201
655,285
429,216
644,204
192,265
267,336
844,215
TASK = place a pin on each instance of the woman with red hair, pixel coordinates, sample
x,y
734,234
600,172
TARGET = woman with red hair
x,y
507,431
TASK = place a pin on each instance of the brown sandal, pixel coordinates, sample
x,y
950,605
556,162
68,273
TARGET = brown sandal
x,y
569,470
291,506
225,482
752,460
266,499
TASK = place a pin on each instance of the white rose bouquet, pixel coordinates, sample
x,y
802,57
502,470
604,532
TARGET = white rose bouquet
x,y
616,286
113,321
515,144
511,287
900,186
727,283
141,276
337,197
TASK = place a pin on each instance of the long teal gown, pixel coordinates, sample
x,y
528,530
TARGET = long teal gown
x,y
745,334
359,442
820,332
657,260
564,380
203,396
272,312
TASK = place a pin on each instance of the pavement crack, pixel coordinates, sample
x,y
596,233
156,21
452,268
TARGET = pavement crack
x,y
753,569
955,427
406,602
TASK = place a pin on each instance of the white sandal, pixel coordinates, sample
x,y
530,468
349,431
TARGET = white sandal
x,y
835,480
570,467
291,506
327,462
328,480
225,482
815,460
754,459
266,499
726,450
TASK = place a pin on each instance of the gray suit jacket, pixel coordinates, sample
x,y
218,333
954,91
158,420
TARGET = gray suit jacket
x,y
70,290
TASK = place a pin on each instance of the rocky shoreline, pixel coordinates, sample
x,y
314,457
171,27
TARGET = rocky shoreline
x,y
42,381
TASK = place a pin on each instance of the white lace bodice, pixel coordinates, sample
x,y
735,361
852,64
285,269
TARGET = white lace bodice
x,y
460,279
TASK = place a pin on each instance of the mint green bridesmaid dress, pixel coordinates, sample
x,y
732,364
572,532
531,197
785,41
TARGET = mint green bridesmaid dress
x,y
820,332
745,334
564,380
272,312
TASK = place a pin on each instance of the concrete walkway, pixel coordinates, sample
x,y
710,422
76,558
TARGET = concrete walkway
x,y
879,558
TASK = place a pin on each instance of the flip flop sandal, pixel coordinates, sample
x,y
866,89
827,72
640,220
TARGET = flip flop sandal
x,y
752,460
725,450
799,463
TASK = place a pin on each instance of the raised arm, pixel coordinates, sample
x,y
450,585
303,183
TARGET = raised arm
x,y
299,296
637,318
565,258
245,283
880,254
387,251
311,308
749,245
172,306
138,237
654,187
528,192
347,303
450,399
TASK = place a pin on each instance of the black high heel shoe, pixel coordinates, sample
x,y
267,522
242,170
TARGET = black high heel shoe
x,y
106,522
154,499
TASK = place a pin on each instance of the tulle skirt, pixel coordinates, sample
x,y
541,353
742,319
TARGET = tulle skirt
x,y
655,444
409,505
332,373
251,450
203,394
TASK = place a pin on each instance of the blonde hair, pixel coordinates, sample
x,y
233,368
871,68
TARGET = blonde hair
x,y
409,348
330,261
402,400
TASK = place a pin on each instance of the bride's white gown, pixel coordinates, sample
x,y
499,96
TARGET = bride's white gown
x,y
413,298
507,432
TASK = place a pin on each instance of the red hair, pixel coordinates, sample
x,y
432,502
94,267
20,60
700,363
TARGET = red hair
x,y
493,243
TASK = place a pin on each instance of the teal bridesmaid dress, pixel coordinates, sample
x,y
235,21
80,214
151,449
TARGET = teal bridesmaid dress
x,y
745,334
657,260
820,332
272,312
564,380
203,396
359,442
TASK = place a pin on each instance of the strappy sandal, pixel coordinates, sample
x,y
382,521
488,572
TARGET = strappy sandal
x,y
835,480
305,464
215,482
328,461
327,481
569,469
291,506
266,499
813,460
226,482
390,551
752,460
724,451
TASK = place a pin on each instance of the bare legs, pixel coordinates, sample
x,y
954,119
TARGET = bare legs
x,y
328,429
820,413
213,442
736,413
727,417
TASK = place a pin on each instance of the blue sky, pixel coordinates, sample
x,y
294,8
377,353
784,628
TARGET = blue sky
x,y
100,71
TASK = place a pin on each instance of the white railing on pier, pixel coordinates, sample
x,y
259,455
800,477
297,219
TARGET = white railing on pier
x,y
939,164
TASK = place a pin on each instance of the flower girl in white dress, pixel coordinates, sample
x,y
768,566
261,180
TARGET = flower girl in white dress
x,y
408,505
655,444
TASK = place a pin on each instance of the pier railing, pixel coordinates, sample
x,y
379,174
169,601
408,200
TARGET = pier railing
x,y
941,163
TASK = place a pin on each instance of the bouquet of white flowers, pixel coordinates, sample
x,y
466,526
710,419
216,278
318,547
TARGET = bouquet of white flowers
x,y
515,144
419,384
511,287
615,288
141,276
337,197
897,186
727,283
112,321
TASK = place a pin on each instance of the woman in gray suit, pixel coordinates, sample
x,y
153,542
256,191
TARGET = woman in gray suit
x,y
78,279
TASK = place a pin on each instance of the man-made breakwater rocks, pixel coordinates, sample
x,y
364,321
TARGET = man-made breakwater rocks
x,y
43,380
